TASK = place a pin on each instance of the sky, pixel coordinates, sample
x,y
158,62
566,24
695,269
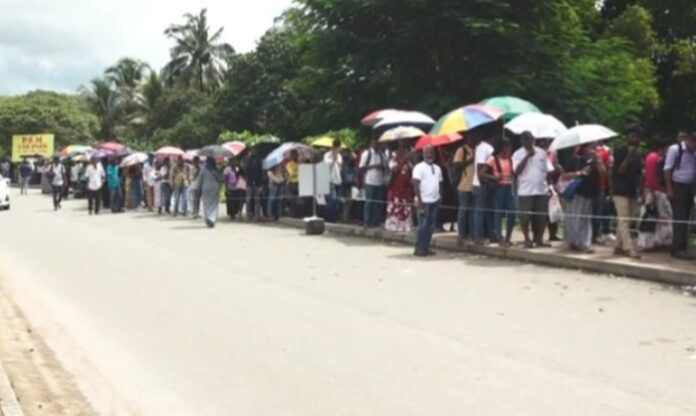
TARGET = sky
x,y
62,44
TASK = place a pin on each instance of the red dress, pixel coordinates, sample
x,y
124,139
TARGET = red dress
x,y
400,200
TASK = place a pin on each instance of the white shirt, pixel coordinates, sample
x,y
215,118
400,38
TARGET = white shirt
x,y
533,180
373,177
95,177
148,176
429,175
58,174
334,166
484,151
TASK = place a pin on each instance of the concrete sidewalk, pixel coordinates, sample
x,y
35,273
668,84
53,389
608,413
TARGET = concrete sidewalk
x,y
655,267
8,400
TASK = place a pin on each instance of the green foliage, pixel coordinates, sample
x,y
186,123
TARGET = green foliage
x,y
348,137
246,137
46,112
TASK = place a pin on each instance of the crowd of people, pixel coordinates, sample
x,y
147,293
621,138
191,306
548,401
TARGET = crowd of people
x,y
482,186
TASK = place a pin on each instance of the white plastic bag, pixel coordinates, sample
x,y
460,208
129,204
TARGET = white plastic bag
x,y
555,208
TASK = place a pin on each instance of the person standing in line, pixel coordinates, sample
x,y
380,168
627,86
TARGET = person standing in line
x,y
156,178
165,187
231,176
484,150
349,178
276,182
585,168
463,175
57,176
195,188
180,182
149,179
626,173
500,172
532,168
680,178
25,172
334,160
656,201
254,176
427,187
372,166
113,179
209,181
292,170
602,207
136,179
553,177
75,178
400,193
95,180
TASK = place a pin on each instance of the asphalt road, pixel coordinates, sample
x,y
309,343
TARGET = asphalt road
x,y
160,316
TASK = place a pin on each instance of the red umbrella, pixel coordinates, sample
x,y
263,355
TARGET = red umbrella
x,y
436,141
112,147
377,116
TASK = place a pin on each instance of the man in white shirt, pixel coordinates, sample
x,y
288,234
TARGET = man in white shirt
x,y
373,165
532,168
57,177
427,185
483,207
334,160
95,180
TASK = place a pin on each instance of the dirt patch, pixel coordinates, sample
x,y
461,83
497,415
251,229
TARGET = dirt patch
x,y
41,384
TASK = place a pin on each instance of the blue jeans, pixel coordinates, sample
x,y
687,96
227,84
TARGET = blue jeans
x,y
333,204
480,214
180,198
373,205
427,221
465,217
115,198
504,204
137,191
275,192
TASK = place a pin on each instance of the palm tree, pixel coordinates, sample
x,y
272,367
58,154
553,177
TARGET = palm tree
x,y
103,101
127,75
197,59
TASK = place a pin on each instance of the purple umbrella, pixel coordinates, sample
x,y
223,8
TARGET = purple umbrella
x,y
102,153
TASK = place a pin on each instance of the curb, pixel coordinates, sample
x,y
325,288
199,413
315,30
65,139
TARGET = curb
x,y
9,406
639,272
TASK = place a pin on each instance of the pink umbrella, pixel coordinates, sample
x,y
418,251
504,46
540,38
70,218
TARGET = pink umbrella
x,y
112,147
190,154
436,141
235,147
377,116
169,151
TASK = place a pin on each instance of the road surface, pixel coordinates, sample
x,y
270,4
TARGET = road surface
x,y
160,316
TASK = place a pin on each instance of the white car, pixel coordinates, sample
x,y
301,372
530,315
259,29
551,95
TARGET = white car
x,y
4,193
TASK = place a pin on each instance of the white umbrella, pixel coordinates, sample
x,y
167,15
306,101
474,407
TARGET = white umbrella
x,y
405,118
401,133
134,159
542,126
586,133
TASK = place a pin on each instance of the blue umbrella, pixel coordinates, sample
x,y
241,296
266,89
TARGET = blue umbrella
x,y
277,156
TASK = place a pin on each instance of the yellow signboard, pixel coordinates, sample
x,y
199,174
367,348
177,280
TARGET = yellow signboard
x,y
24,145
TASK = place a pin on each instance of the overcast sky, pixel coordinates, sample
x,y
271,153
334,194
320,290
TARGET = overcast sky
x,y
61,44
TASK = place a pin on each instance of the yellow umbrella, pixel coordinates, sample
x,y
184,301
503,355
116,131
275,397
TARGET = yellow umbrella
x,y
326,142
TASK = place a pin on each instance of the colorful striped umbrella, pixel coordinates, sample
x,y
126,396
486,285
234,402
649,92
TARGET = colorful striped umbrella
x,y
465,118
76,149
511,106
437,141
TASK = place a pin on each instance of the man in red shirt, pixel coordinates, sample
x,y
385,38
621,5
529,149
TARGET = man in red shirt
x,y
602,207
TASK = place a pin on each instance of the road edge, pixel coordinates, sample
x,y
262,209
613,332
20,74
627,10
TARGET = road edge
x,y
9,405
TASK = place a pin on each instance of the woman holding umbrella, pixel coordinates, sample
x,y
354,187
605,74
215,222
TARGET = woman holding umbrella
x,y
209,182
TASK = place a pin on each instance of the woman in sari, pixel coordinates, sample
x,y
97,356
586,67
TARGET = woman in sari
x,y
209,183
400,194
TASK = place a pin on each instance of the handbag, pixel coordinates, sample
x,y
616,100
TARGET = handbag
x,y
572,188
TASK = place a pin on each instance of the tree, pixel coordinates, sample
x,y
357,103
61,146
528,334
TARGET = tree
x,y
102,99
46,112
127,75
198,59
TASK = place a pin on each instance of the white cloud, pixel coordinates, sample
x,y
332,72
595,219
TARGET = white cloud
x,y
61,44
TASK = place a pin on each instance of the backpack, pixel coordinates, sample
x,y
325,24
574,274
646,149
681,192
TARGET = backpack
x,y
661,164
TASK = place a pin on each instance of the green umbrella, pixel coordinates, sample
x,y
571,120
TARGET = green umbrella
x,y
512,106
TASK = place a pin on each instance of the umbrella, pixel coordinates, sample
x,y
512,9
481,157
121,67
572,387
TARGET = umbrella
x,y
190,154
277,156
326,142
542,126
511,106
102,153
587,133
80,158
76,149
376,116
436,141
401,133
112,146
169,151
134,159
405,118
235,147
466,118
216,151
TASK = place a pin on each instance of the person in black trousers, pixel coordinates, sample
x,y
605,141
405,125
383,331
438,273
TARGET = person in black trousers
x,y
680,178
